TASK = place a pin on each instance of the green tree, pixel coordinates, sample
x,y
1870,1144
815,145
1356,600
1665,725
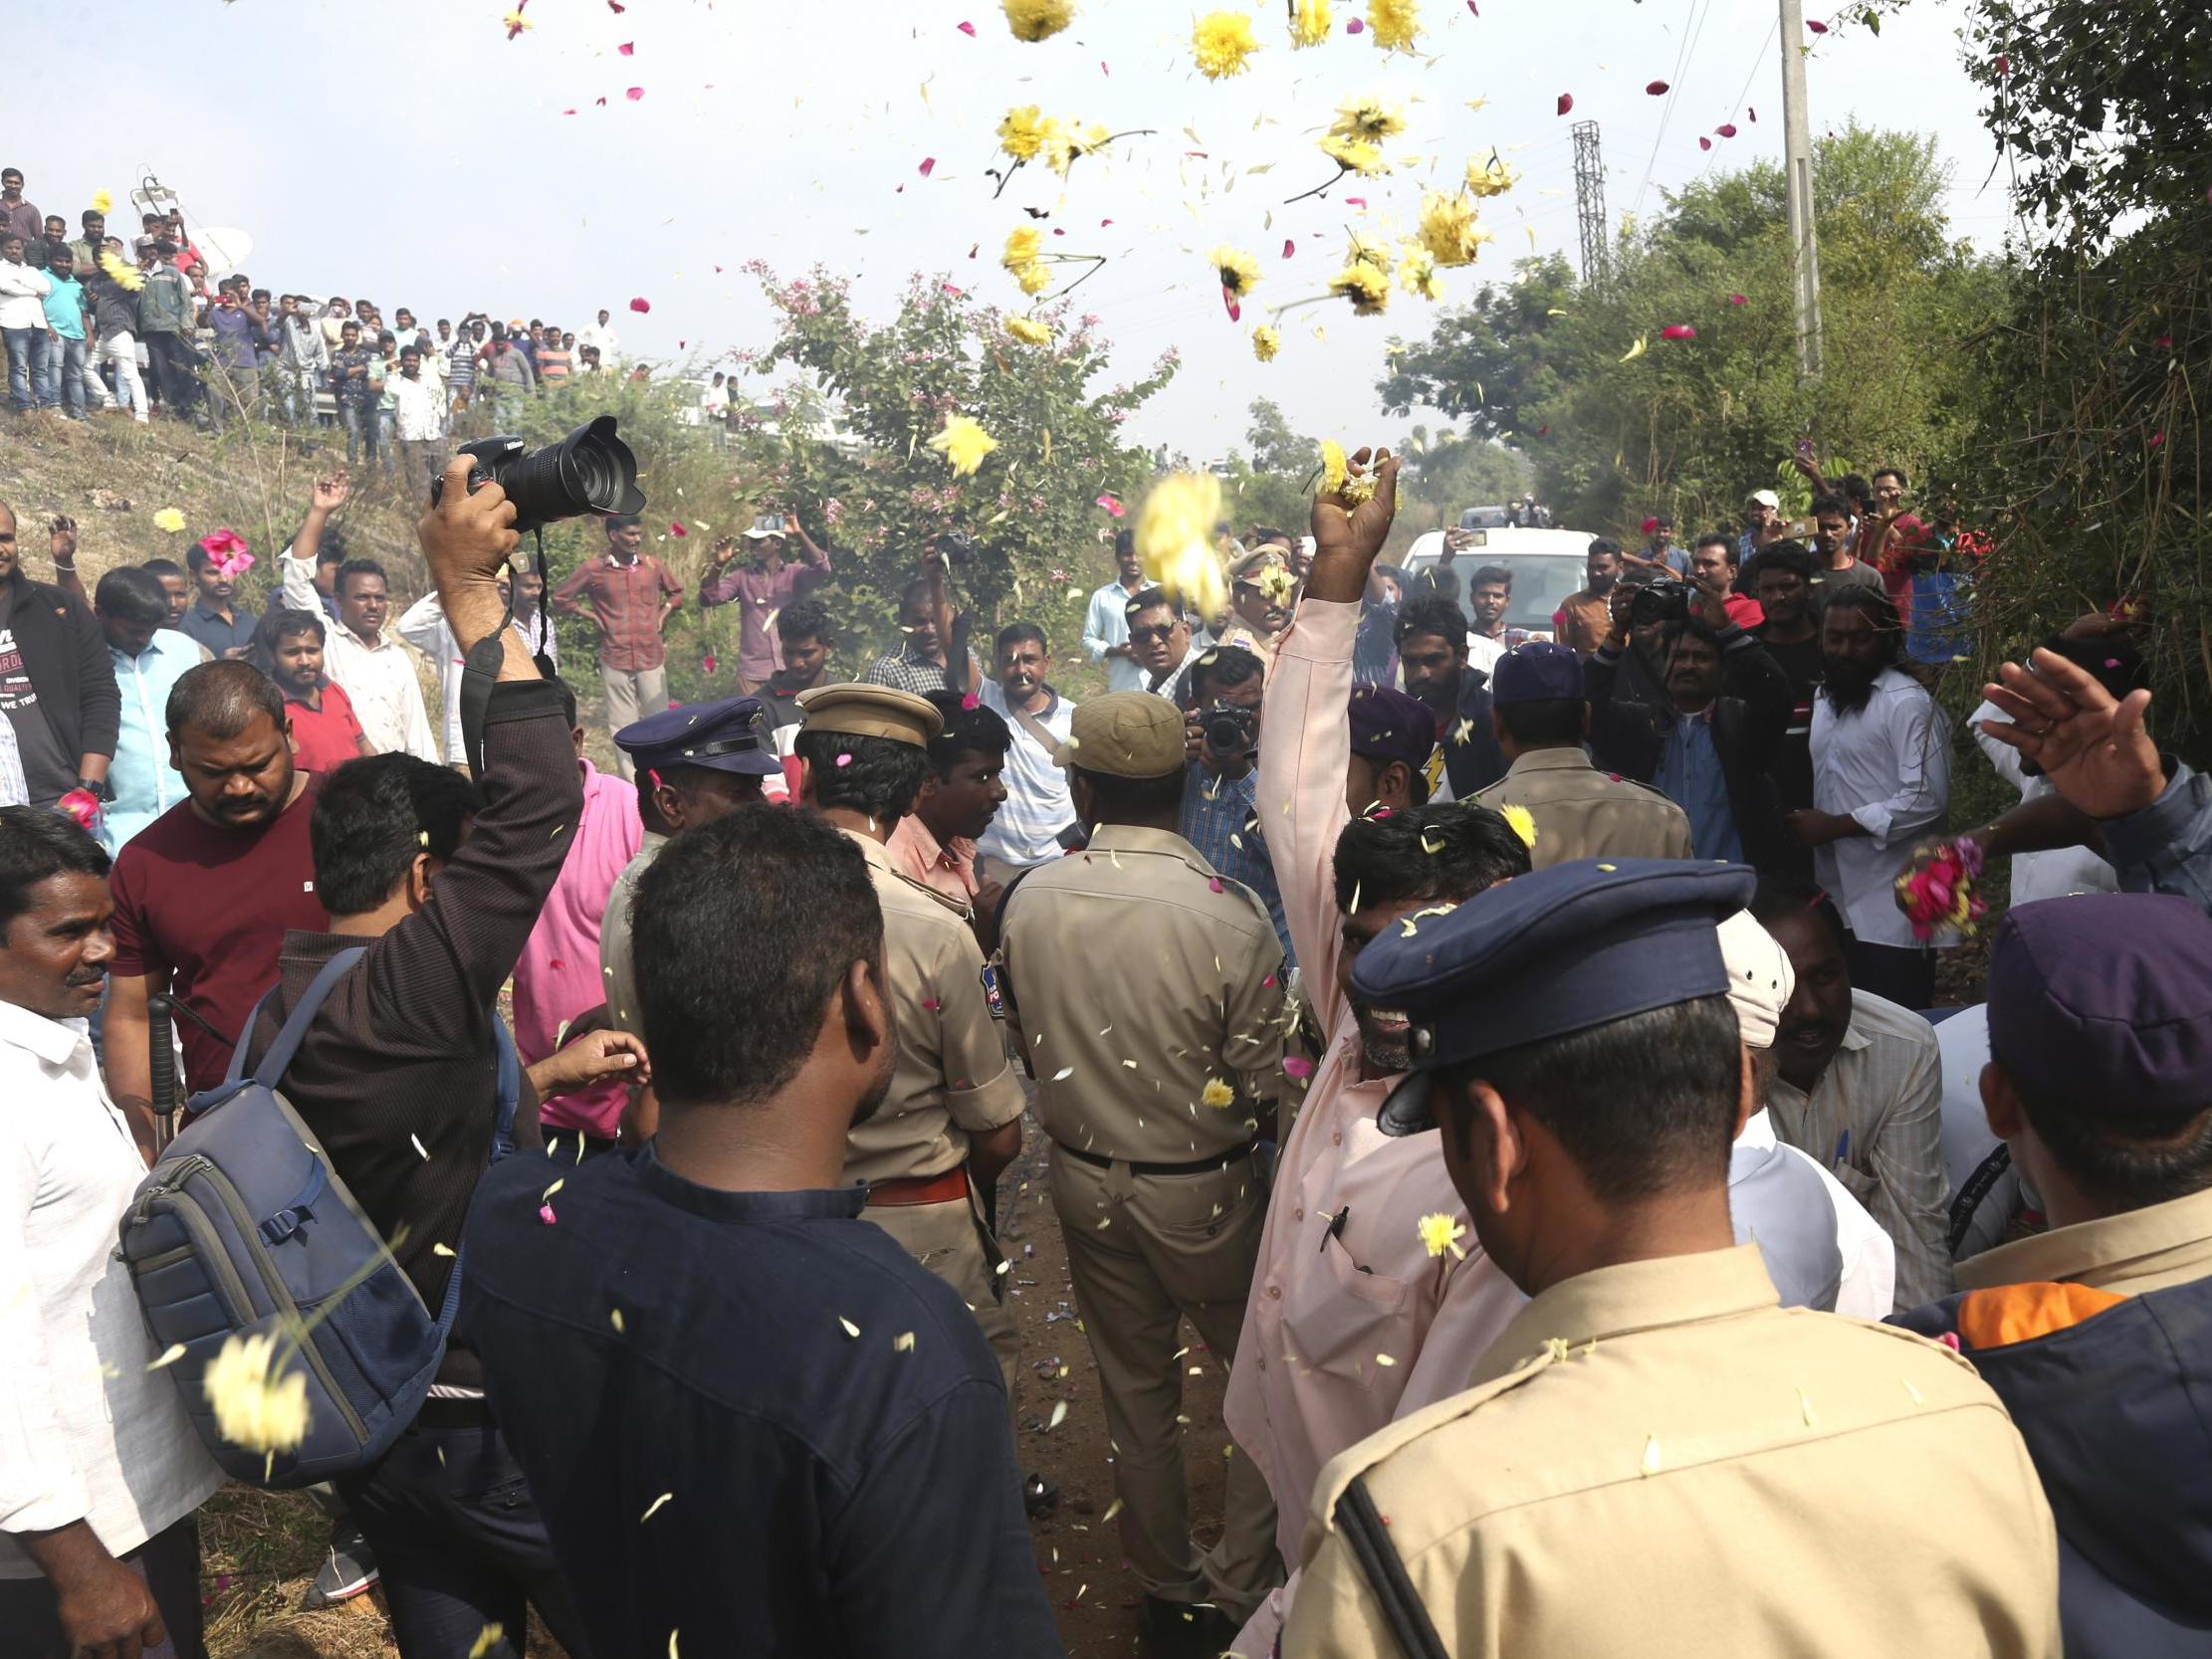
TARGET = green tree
x,y
870,478
1269,487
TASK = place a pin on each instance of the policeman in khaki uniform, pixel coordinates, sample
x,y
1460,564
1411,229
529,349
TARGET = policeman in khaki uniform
x,y
1541,721
1653,1458
954,1095
1146,992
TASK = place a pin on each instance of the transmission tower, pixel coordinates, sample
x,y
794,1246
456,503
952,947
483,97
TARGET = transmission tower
x,y
1590,202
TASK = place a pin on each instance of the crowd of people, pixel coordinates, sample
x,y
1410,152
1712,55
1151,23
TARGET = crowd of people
x,y
1525,1078
94,323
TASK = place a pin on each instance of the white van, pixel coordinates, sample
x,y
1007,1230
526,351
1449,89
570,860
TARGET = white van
x,y
1547,566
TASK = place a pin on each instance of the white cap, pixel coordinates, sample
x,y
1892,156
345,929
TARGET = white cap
x,y
1760,978
1763,497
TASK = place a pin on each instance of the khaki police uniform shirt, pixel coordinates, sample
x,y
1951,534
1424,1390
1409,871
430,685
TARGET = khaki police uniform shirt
x,y
617,969
1581,812
1145,988
1656,1460
951,1077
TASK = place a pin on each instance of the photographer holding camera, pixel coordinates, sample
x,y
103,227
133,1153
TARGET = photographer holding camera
x,y
1220,745
1684,700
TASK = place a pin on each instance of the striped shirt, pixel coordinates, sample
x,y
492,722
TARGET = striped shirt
x,y
1874,1120
1037,805
1221,818
907,670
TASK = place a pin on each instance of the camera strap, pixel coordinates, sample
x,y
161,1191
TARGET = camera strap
x,y
480,667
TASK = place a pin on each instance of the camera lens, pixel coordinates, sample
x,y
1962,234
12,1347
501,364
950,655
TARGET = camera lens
x,y
589,470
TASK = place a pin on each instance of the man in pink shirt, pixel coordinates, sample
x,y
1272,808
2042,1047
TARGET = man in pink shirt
x,y
962,791
760,589
1352,1321
558,977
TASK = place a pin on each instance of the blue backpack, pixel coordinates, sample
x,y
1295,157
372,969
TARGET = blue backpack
x,y
243,1229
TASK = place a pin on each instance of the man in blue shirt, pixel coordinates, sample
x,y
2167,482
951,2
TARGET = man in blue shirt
x,y
1221,811
150,658
65,314
753,1424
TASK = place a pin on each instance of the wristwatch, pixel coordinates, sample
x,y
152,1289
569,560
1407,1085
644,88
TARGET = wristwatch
x,y
101,789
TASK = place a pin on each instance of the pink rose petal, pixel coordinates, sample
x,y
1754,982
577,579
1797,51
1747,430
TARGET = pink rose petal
x,y
1358,26
1566,102
628,48
927,166
1112,503
635,94
1815,25
641,306
1739,299
545,1214
1288,247
1705,144
1656,89
1297,1067
1678,331
1728,129
967,29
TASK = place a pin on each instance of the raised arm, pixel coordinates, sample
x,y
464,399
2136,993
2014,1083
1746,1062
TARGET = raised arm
x,y
1303,765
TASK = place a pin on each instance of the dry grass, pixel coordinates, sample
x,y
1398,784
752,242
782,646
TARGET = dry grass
x,y
259,1555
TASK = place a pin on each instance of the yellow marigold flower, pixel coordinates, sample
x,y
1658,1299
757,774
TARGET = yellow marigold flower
x,y
122,273
1333,470
1369,249
1310,22
1064,147
964,444
1396,24
1416,272
1021,132
104,202
1440,1232
253,1409
1449,229
1218,1095
1238,270
168,519
1353,155
1369,119
1024,246
1221,42
1365,285
1488,175
1034,279
1037,20
1265,344
1175,539
1028,331
1521,824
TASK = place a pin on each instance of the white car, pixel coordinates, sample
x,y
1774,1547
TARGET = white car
x,y
1547,566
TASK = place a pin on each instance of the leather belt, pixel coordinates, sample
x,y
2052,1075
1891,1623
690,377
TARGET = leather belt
x,y
920,1189
1204,1165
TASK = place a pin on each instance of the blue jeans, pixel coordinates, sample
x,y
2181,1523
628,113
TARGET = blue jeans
x,y
362,429
65,375
26,364
460,1544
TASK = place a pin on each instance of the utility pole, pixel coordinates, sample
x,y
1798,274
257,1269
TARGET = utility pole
x,y
1797,170
1597,256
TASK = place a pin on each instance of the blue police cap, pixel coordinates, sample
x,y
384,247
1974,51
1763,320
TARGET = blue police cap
x,y
1546,955
2106,999
728,736
1538,672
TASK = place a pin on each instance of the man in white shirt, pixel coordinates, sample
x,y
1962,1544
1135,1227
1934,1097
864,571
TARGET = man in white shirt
x,y
1106,622
378,672
1822,1249
99,1468
1026,833
418,416
600,338
1858,1089
423,626
1881,779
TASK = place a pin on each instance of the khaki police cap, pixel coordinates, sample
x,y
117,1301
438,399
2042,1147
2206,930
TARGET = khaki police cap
x,y
1125,735
872,712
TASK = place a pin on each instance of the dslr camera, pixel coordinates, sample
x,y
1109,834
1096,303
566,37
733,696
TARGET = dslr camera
x,y
589,470
1662,601
1227,732
958,547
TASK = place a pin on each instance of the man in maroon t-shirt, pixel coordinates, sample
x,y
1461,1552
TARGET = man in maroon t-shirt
x,y
203,895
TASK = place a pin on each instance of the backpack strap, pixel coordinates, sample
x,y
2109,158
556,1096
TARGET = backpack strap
x,y
510,1088
271,1071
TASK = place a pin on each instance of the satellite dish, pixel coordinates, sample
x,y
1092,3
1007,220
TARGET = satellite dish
x,y
224,248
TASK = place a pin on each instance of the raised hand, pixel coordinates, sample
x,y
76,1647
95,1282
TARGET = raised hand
x,y
333,492
2094,749
1351,529
61,539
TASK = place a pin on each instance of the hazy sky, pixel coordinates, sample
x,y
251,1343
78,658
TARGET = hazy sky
x,y
408,150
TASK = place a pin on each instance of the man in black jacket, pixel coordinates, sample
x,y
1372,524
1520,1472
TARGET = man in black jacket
x,y
1433,655
1696,708
57,683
